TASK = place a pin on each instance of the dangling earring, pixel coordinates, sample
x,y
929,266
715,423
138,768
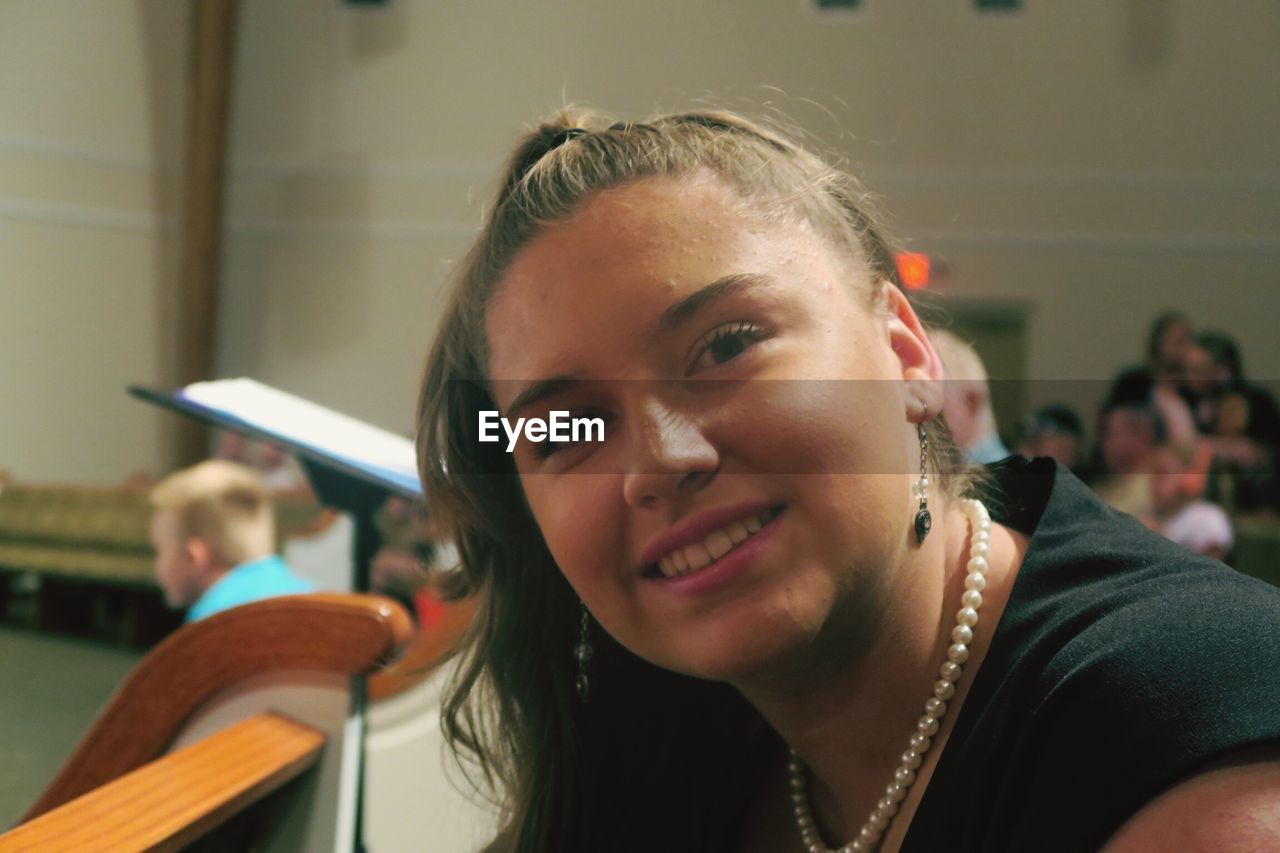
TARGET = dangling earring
x,y
582,652
924,521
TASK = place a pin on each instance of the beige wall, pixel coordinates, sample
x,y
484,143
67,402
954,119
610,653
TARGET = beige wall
x,y
90,128
1099,159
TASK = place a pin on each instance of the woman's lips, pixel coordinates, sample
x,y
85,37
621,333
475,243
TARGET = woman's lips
x,y
716,544
707,541
718,574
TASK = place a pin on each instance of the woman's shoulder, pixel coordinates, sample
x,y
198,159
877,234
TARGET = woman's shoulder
x,y
1150,685
1122,665
1086,557
1104,601
1182,631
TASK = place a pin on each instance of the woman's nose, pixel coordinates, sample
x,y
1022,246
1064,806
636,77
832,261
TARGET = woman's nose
x,y
669,457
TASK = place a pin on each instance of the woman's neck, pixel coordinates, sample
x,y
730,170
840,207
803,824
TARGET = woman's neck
x,y
849,715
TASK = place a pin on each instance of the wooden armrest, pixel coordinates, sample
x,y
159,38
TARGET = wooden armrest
x,y
321,632
177,798
424,653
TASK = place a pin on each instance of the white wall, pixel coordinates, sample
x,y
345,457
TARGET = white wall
x,y
90,123
1100,159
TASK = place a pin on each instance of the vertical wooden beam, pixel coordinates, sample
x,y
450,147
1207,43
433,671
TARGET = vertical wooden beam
x,y
204,191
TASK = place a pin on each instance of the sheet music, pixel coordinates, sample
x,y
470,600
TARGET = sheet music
x,y
310,425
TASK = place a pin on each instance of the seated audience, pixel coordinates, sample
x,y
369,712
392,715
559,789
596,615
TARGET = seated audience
x,y
1130,435
966,402
213,530
1241,419
1054,431
1167,343
1200,385
1180,514
1159,382
406,567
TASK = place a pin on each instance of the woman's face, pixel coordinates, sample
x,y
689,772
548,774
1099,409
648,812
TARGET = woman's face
x,y
752,494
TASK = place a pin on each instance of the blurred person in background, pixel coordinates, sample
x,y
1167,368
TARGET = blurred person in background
x,y
1180,514
1129,436
1167,341
966,402
279,472
1159,383
412,555
1201,384
1054,431
1241,420
213,530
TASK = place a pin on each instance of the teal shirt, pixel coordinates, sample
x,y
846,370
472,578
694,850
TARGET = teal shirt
x,y
991,450
252,581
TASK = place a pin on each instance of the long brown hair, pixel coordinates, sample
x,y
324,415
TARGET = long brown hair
x,y
656,760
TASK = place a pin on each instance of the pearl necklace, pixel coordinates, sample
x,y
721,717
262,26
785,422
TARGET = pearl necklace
x,y
944,689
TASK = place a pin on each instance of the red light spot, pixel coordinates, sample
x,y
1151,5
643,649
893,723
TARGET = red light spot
x,y
913,270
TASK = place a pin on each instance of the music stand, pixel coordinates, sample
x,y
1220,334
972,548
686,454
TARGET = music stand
x,y
342,482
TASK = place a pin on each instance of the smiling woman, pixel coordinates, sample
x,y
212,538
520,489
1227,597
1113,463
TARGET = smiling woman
x,y
741,580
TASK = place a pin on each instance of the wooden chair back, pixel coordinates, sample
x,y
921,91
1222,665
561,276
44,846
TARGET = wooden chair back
x,y
225,669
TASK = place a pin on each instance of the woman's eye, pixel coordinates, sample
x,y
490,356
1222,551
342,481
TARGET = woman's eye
x,y
727,343
549,447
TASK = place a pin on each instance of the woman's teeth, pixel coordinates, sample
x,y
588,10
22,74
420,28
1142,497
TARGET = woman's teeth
x,y
690,558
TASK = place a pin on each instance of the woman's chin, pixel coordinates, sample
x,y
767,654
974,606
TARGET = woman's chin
x,y
736,656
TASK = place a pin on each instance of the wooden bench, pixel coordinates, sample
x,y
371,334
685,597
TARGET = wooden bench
x,y
244,701
176,799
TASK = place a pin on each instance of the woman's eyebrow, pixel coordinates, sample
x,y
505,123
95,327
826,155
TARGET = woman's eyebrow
x,y
540,389
703,296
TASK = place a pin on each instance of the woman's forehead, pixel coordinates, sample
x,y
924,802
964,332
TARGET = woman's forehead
x,y
622,258
654,221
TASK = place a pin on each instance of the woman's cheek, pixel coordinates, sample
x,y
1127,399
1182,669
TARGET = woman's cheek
x,y
579,523
814,426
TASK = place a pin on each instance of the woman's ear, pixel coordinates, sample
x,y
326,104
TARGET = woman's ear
x,y
921,368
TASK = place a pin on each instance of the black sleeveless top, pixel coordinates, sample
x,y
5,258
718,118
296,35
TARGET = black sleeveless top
x,y
1121,665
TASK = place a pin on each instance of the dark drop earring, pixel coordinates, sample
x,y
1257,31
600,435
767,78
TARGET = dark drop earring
x,y
582,652
924,521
